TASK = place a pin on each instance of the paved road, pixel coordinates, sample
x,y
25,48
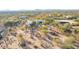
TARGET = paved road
x,y
69,21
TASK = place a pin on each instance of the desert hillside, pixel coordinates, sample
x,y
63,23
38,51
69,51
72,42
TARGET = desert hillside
x,y
39,30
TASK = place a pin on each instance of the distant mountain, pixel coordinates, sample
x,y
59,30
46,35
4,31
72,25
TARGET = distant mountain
x,y
36,10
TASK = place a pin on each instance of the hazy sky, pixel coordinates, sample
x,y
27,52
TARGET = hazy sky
x,y
38,4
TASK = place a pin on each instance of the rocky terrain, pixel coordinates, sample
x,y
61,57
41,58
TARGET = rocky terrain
x,y
39,32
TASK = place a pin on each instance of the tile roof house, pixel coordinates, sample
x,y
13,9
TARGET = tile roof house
x,y
23,17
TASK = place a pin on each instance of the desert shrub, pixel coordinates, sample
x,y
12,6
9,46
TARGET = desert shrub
x,y
76,31
69,43
49,21
23,27
20,37
12,23
65,28
43,29
76,20
68,46
57,40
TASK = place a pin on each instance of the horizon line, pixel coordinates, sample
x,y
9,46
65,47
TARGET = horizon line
x,y
34,9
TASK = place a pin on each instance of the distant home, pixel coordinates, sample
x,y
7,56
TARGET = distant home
x,y
40,21
23,17
70,17
35,22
